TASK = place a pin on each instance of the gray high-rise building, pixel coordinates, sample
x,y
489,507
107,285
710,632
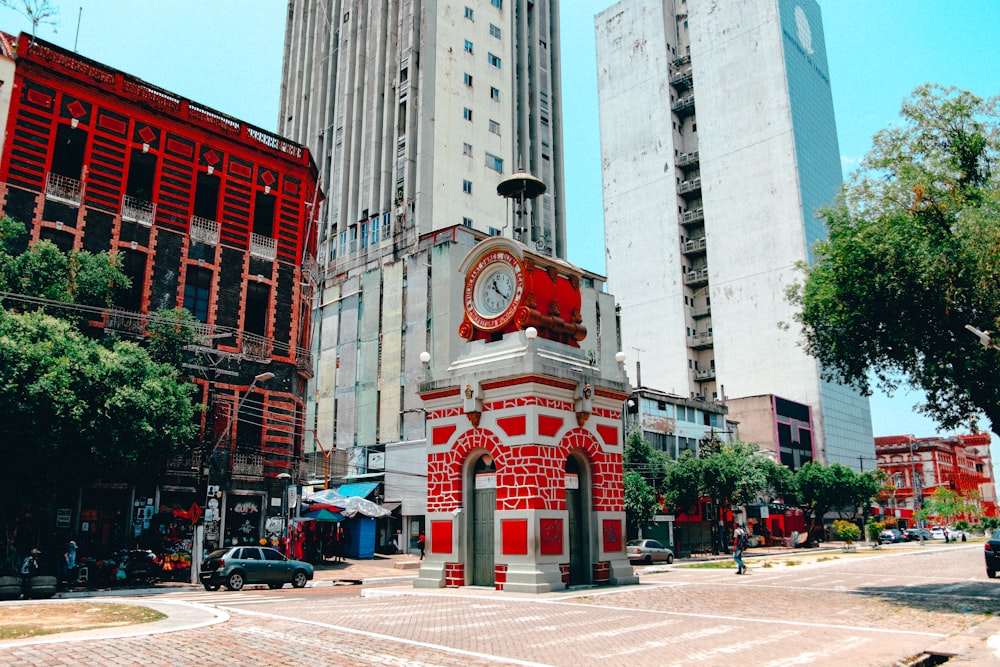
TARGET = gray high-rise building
x,y
415,113
719,144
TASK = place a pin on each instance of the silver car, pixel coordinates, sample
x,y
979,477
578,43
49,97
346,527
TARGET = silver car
x,y
648,551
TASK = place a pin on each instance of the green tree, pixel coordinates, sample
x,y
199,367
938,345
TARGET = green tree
x,y
825,488
45,272
169,332
733,474
911,259
76,410
644,470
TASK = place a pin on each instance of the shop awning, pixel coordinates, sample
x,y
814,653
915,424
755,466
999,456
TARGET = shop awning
x,y
323,515
392,507
360,489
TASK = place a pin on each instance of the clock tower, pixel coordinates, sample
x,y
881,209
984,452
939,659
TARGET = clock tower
x,y
524,436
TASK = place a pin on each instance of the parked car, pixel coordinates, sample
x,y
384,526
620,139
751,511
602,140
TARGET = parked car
x,y
235,566
937,533
648,551
992,551
891,536
916,534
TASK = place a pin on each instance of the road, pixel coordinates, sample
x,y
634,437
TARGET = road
x,y
874,608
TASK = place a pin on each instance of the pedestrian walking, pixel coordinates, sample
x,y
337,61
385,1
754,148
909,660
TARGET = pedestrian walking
x,y
740,542
422,543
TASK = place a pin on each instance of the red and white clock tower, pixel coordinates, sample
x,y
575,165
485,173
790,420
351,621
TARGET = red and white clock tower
x,y
525,441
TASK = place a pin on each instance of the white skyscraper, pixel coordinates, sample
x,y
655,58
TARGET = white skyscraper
x,y
719,145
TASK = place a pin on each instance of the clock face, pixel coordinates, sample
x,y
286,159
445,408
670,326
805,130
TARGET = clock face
x,y
493,290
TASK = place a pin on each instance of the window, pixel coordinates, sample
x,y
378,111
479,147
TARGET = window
x,y
206,196
494,127
469,13
255,314
468,79
373,227
494,94
497,3
133,265
468,46
67,152
495,31
493,60
467,222
364,235
467,187
141,171
467,150
263,215
494,231
494,163
467,113
197,288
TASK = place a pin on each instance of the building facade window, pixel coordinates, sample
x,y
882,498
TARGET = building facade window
x,y
495,31
468,79
494,163
468,46
197,290
467,221
494,231
469,13
493,60
494,127
497,3
467,113
467,187
467,150
494,94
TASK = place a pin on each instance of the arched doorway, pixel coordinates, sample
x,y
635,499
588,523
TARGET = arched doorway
x,y
577,483
484,503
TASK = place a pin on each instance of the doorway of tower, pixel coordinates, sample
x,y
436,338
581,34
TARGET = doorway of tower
x,y
484,502
576,518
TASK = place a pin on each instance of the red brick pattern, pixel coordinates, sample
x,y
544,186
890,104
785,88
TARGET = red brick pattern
x,y
564,573
454,575
602,572
499,576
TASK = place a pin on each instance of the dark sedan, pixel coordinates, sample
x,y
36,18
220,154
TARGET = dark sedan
x,y
916,534
236,566
992,550
891,536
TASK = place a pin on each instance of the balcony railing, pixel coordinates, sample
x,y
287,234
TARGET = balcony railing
x,y
262,246
696,277
701,340
689,187
698,313
705,375
256,348
681,80
687,159
693,217
126,321
694,246
138,210
304,362
63,188
248,465
684,106
204,230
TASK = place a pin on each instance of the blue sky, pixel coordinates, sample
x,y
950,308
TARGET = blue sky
x,y
227,54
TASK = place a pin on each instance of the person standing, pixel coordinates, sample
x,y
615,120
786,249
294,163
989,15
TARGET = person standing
x,y
422,543
740,541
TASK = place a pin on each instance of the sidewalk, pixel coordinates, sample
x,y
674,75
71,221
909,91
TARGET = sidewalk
x,y
978,646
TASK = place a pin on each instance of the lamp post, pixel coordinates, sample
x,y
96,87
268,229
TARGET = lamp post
x,y
286,502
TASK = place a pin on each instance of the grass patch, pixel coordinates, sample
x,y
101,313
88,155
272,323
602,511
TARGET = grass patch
x,y
712,565
35,620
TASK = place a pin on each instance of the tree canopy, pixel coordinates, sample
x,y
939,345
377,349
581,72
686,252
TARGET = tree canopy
x,y
912,257
76,410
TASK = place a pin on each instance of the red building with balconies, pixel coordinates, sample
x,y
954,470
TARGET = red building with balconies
x,y
205,212
917,466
